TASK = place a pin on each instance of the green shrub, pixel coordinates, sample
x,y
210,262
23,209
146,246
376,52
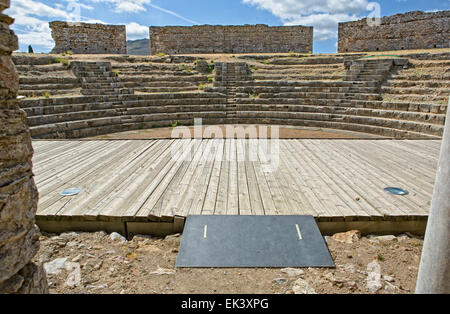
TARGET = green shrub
x,y
161,54
174,124
210,79
63,61
253,95
46,94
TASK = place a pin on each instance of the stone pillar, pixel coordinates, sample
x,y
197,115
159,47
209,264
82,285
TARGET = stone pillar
x,y
434,272
19,239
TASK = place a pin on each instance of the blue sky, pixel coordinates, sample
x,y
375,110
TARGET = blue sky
x,y
32,16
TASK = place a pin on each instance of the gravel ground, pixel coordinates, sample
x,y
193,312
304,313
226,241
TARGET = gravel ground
x,y
91,263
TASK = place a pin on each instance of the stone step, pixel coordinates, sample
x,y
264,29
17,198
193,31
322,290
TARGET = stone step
x,y
422,83
438,119
296,77
92,127
44,92
101,86
96,74
125,113
161,84
398,106
43,69
165,89
48,80
413,77
370,129
124,105
112,91
442,100
320,95
444,92
308,89
49,87
157,73
96,79
413,126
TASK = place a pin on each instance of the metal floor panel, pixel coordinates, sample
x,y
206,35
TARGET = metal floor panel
x,y
252,241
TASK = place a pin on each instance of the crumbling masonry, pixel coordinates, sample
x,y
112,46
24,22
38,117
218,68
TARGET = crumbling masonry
x,y
412,30
18,194
83,38
230,39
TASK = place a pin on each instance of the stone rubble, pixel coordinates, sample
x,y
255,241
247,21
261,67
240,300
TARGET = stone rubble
x,y
19,240
373,280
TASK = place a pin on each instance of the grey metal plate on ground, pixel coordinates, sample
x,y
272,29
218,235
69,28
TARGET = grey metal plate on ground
x,y
252,241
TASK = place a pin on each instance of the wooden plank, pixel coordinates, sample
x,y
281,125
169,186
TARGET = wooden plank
x,y
305,180
148,209
187,186
297,200
51,202
138,191
213,186
362,209
105,189
243,189
281,207
77,172
172,191
204,180
222,192
334,189
67,161
383,177
356,176
233,197
257,207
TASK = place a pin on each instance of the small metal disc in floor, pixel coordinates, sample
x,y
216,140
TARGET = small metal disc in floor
x,y
252,241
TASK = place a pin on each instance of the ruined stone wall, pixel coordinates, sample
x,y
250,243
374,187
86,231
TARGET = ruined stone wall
x,y
230,39
412,30
83,38
18,194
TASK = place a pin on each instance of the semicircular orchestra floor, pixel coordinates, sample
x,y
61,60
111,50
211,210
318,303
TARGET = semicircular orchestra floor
x,y
150,186
238,132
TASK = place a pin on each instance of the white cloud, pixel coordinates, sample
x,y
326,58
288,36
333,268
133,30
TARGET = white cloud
x,y
324,15
136,31
130,6
31,21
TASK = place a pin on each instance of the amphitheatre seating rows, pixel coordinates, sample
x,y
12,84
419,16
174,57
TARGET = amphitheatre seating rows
x,y
160,78
44,75
423,81
330,92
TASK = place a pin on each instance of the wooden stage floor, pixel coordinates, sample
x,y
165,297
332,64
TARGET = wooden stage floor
x,y
128,183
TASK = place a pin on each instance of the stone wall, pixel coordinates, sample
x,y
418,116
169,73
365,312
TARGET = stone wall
x,y
412,30
18,194
83,38
230,39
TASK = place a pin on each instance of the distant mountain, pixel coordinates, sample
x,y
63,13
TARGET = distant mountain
x,y
140,47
